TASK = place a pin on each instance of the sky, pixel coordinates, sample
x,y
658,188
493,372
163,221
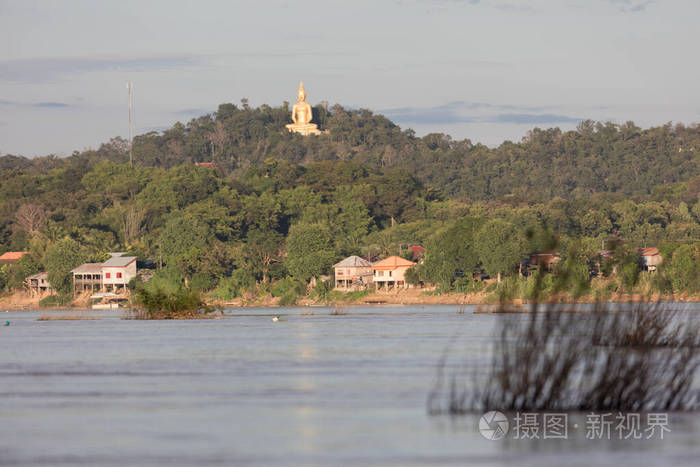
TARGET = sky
x,y
487,70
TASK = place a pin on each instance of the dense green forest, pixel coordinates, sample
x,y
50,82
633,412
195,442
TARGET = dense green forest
x,y
277,208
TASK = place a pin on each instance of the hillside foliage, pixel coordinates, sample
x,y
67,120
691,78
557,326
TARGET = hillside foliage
x,y
277,205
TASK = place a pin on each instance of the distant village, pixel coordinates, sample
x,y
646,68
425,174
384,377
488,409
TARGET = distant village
x,y
111,278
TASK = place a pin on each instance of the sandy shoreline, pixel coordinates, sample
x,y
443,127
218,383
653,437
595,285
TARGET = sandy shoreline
x,y
21,301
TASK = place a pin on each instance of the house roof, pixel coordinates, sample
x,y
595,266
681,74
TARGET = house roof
x,y
12,256
417,251
88,268
547,257
353,261
651,251
392,262
39,276
118,261
546,253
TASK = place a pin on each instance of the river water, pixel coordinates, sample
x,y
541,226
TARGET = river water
x,y
312,389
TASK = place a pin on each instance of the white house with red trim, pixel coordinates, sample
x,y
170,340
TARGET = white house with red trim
x,y
117,271
112,275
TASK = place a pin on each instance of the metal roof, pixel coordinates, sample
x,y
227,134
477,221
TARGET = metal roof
x,y
39,276
88,268
118,261
353,261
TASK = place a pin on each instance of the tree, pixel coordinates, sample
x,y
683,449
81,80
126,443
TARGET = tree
x,y
683,269
182,243
262,252
450,252
31,217
310,250
61,258
501,246
19,271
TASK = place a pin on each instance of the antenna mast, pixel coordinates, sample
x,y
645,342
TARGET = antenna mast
x,y
130,87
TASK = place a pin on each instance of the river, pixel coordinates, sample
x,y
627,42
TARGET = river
x,y
315,388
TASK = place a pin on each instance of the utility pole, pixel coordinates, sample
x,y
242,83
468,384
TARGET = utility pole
x,y
130,87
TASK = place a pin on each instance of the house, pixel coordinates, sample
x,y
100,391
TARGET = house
x,y
352,272
390,272
651,258
38,284
112,275
87,278
11,257
417,252
544,259
117,271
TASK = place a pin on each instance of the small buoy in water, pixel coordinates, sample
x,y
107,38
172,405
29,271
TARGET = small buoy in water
x,y
7,323
275,318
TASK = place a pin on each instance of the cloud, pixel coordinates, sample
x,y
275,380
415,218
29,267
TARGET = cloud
x,y
52,105
41,105
47,69
532,119
476,112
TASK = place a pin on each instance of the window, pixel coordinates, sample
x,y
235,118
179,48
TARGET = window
x,y
108,275
389,273
119,275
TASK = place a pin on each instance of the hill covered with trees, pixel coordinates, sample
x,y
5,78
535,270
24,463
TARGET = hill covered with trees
x,y
279,207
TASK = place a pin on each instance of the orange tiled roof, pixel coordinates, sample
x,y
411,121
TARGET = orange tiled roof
x,y
392,262
12,256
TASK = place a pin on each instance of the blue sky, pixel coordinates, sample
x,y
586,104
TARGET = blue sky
x,y
487,70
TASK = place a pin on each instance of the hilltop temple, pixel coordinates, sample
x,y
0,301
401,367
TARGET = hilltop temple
x,y
302,115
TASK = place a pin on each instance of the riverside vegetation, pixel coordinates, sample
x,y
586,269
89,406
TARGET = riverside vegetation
x,y
278,209
626,357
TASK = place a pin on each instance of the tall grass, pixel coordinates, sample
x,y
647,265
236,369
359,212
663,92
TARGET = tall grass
x,y
634,356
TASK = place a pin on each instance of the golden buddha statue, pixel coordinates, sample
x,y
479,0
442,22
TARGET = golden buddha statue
x,y
301,115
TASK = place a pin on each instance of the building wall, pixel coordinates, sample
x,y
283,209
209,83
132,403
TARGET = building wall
x,y
127,273
396,274
351,274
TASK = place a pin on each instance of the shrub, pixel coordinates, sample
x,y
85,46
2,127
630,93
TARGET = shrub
x,y
155,302
287,286
289,298
202,282
467,286
321,290
56,300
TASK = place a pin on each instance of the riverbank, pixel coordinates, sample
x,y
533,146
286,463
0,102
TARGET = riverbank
x,y
22,301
